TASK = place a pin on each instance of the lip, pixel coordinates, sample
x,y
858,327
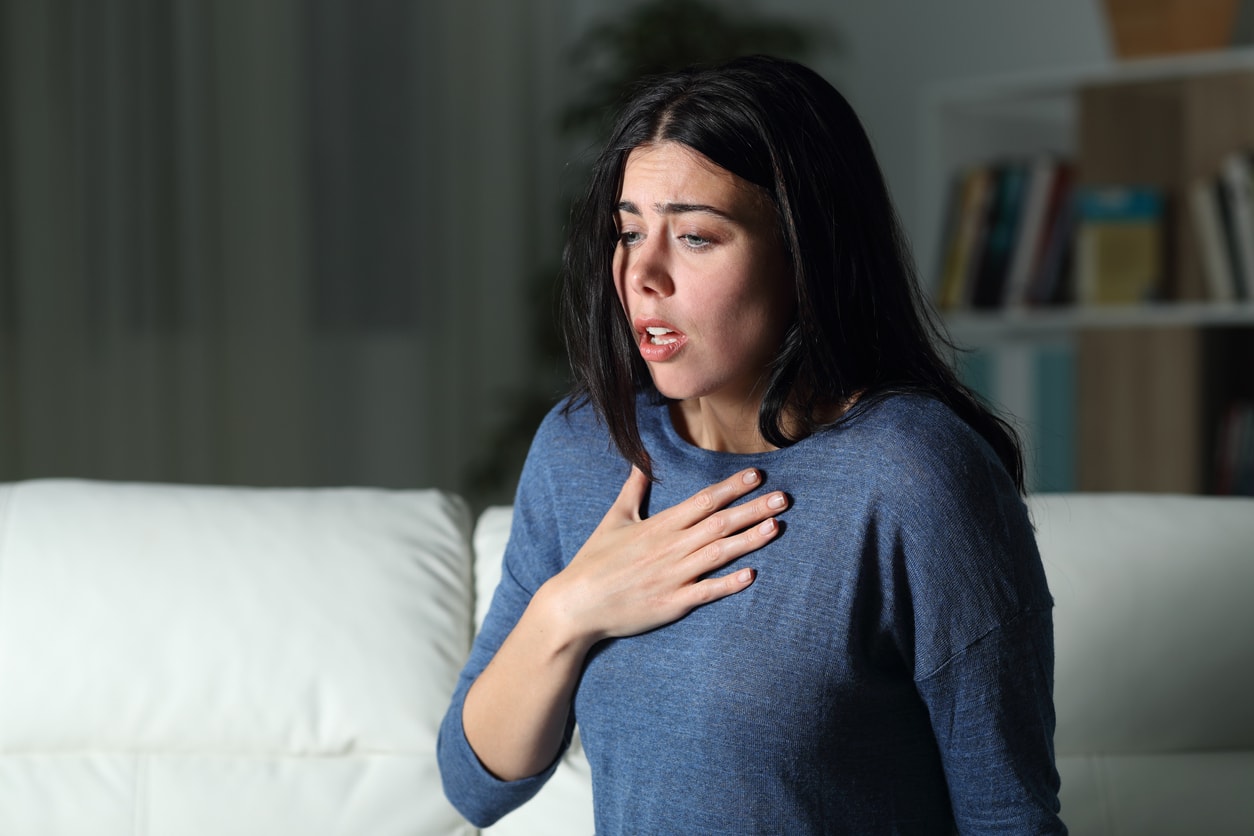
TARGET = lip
x,y
657,353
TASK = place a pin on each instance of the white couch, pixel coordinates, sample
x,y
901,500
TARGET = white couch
x,y
177,661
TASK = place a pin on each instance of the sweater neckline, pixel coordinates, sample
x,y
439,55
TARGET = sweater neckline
x,y
659,415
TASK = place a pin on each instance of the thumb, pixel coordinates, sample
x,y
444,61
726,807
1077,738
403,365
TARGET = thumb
x,y
631,498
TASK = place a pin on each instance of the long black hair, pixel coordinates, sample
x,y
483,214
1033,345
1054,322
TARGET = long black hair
x,y
863,329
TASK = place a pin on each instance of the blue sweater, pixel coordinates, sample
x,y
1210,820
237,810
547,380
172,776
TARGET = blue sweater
x,y
889,671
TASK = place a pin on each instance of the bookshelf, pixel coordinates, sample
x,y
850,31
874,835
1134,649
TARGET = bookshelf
x,y
1119,397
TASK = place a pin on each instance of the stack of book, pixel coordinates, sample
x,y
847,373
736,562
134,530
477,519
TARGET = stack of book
x,y
1008,234
1222,209
1022,233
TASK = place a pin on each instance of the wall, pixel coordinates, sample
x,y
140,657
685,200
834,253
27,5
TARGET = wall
x,y
889,50
410,410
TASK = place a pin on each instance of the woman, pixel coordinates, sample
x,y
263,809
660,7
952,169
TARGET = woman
x,y
771,553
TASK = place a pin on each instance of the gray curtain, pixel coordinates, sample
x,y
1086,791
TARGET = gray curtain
x,y
269,243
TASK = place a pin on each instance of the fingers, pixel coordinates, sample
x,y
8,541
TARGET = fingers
x,y
712,589
633,575
707,501
723,550
704,527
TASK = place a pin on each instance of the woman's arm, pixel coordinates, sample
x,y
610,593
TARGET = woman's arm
x,y
993,714
631,576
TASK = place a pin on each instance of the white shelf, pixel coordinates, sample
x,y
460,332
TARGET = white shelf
x,y
1031,325
968,121
1128,385
1022,87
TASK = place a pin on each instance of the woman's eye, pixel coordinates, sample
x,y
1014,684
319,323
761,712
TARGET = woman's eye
x,y
694,241
628,237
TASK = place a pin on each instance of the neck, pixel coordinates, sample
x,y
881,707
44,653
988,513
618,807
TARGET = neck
x,y
733,427
727,428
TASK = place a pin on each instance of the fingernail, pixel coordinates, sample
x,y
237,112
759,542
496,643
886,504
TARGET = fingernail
x,y
750,477
744,575
777,501
767,527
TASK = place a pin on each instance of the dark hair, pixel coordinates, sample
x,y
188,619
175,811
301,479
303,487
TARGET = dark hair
x,y
862,330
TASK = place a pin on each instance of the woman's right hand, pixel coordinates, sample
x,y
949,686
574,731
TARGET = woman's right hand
x,y
630,576
634,574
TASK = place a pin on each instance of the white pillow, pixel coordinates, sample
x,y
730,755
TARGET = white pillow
x,y
214,660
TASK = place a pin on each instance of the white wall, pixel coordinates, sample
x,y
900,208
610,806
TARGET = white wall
x,y
890,50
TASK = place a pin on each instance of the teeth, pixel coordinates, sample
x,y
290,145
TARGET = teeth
x,y
656,335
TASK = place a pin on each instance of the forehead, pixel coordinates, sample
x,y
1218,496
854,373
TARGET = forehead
x,y
670,171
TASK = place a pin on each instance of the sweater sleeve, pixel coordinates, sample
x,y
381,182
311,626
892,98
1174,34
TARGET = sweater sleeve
x,y
532,554
983,649
992,712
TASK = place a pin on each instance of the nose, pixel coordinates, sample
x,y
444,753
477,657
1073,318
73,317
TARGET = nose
x,y
647,268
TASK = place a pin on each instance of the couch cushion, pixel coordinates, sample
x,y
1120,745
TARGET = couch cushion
x,y
189,660
1155,659
1152,621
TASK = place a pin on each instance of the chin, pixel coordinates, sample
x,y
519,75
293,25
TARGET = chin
x,y
673,390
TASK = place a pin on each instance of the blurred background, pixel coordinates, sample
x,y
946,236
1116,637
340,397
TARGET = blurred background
x,y
282,242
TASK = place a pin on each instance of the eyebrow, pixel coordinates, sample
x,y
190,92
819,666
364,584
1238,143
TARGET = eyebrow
x,y
675,209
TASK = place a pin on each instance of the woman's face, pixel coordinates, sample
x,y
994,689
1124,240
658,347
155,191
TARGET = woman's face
x,y
702,275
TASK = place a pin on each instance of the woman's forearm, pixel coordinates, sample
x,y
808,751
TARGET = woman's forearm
x,y
516,711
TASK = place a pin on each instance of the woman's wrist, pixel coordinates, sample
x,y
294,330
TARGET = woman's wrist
x,y
554,618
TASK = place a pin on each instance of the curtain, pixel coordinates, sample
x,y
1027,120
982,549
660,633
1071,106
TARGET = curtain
x,y
269,243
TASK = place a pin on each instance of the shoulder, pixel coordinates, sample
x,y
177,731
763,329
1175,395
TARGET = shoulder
x,y
932,473
573,429
917,451
569,433
571,476
953,521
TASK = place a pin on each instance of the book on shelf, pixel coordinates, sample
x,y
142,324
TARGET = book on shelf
x,y
1119,244
1051,274
1238,187
1222,210
968,209
1002,226
1208,214
1033,385
1001,222
1043,177
1227,226
1234,450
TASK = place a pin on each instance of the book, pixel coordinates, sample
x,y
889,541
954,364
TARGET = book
x,y
1002,225
1227,225
966,240
1234,451
1212,239
1033,226
1119,245
1238,188
1034,386
1050,282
